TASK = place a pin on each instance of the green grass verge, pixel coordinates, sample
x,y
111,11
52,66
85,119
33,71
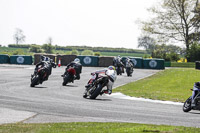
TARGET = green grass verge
x,y
170,84
187,64
90,127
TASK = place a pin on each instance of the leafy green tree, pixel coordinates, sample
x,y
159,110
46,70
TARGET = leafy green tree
x,y
48,48
35,48
147,43
194,52
97,54
75,52
173,21
87,52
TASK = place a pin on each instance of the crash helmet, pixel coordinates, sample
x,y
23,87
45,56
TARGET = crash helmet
x,y
42,58
111,68
77,60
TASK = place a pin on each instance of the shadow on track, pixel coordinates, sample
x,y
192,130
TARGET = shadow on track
x,y
38,87
70,86
98,99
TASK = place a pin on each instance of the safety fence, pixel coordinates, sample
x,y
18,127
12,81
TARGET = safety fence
x,y
93,61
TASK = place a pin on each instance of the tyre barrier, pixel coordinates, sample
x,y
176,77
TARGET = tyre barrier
x,y
4,59
153,64
89,60
93,61
65,59
105,61
21,59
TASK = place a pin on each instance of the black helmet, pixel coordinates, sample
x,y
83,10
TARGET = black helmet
x,y
42,58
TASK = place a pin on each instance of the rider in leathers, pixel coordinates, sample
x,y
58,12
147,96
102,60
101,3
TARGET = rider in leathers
x,y
96,74
196,89
47,64
77,66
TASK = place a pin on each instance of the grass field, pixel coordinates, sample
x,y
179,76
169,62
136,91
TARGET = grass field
x,y
94,128
170,84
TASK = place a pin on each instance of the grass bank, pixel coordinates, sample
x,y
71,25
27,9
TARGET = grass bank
x,y
170,84
93,127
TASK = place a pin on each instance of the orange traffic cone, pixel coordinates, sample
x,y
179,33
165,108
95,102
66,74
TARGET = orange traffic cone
x,y
59,62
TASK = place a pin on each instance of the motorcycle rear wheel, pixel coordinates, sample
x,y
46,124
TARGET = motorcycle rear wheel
x,y
187,105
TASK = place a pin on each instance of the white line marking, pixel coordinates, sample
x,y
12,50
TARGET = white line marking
x,y
122,96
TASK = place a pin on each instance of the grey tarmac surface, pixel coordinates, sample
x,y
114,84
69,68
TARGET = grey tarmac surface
x,y
52,102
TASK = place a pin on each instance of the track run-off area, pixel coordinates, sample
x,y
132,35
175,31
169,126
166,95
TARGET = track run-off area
x,y
51,102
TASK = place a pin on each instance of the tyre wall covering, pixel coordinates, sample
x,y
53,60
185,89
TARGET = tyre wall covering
x,y
21,59
4,59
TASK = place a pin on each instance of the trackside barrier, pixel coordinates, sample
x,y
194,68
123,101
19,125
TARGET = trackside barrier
x,y
4,59
153,64
89,60
197,65
138,62
94,61
105,61
65,59
21,59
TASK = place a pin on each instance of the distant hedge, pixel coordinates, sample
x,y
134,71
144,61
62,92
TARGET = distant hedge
x,y
82,48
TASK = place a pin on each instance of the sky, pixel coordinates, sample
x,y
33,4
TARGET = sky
x,y
96,23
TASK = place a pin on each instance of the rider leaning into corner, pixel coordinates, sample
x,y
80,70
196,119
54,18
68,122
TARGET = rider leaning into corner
x,y
47,63
95,75
77,66
196,89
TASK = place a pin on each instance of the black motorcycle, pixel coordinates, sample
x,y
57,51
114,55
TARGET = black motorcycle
x,y
119,70
129,71
187,104
97,86
39,76
69,76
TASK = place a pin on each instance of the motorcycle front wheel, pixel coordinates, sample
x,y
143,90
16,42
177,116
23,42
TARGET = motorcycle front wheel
x,y
35,81
96,91
187,105
66,80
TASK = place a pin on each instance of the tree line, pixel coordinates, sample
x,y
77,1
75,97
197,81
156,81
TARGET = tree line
x,y
48,48
174,21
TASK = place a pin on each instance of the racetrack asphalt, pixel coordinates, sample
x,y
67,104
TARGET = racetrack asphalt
x,y
52,102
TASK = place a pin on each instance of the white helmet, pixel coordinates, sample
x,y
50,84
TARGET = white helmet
x,y
77,60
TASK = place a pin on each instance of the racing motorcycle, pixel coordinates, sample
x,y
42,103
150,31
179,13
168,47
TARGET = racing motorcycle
x,y
129,69
119,70
69,76
39,76
187,104
97,86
